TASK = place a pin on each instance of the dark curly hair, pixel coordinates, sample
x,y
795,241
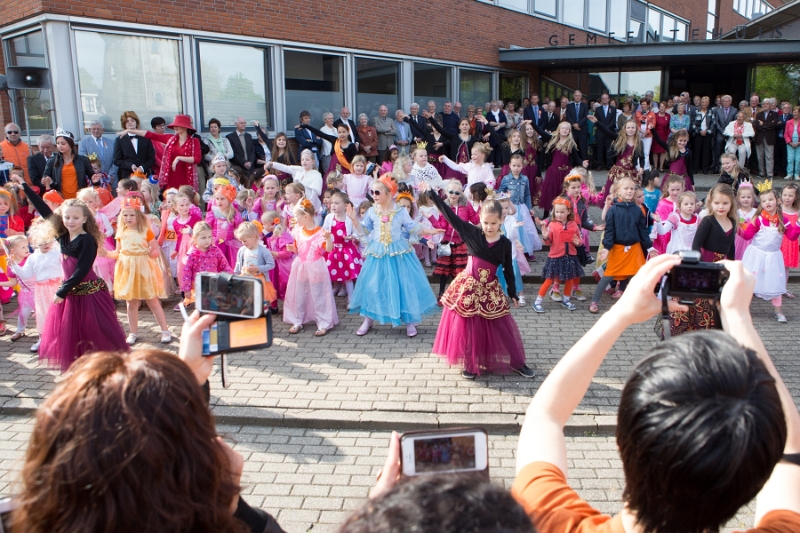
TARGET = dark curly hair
x,y
126,444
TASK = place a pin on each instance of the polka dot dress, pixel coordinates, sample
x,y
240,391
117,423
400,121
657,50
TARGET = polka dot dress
x,y
344,261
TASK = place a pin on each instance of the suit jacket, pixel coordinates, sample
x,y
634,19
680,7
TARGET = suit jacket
x,y
765,124
550,124
88,145
419,121
721,122
306,140
36,166
242,154
353,128
125,156
609,119
528,114
579,118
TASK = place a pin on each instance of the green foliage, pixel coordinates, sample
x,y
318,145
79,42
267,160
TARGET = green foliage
x,y
239,88
778,81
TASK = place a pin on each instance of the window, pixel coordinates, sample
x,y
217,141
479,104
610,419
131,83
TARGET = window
x,y
28,51
636,84
432,82
233,83
600,82
682,28
573,12
653,26
545,7
597,15
618,19
377,84
476,88
667,28
638,15
512,88
781,81
313,83
125,72
750,9
519,5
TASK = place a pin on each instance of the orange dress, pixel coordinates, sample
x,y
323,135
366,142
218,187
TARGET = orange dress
x,y
69,181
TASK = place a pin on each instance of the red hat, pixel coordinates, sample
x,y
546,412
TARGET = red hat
x,y
184,121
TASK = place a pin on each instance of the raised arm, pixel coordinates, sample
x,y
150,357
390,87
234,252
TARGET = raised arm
x,y
464,229
330,138
36,200
658,140
545,136
446,134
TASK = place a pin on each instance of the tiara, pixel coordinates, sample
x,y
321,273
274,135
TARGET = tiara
x,y
572,176
93,157
501,196
405,195
422,145
132,202
764,185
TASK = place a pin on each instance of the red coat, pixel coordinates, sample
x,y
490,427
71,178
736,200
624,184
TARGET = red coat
x,y
184,173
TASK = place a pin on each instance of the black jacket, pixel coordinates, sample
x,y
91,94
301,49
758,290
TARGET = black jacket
x,y
242,154
125,156
36,166
579,119
609,120
83,170
626,225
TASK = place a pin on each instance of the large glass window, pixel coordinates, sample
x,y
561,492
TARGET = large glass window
x,y
597,15
28,51
476,88
377,84
573,12
638,15
432,82
314,84
713,15
636,84
618,19
126,72
653,25
233,83
668,28
545,7
519,5
603,82
513,88
779,81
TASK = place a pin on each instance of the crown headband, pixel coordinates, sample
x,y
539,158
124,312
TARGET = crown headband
x,y
572,176
405,195
764,186
219,158
422,145
132,201
562,201
93,157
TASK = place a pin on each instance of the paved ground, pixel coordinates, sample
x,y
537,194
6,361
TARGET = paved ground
x,y
285,404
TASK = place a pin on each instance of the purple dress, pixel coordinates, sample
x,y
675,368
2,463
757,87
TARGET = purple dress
x,y
678,168
623,168
86,321
477,329
463,157
554,179
531,170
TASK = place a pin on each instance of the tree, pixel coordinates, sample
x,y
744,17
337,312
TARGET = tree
x,y
778,81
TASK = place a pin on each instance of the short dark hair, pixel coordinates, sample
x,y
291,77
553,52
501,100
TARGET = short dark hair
x,y
699,429
157,121
215,121
129,184
478,191
304,114
434,503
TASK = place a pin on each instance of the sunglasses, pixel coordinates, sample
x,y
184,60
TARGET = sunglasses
x,y
375,193
11,132
455,193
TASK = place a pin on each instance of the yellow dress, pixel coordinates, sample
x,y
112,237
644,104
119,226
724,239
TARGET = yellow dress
x,y
137,276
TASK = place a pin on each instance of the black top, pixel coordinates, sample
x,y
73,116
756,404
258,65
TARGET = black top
x,y
638,155
455,140
349,153
83,247
574,157
499,253
81,164
710,236
687,155
727,179
428,138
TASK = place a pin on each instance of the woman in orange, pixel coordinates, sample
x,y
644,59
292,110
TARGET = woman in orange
x,y
645,120
66,172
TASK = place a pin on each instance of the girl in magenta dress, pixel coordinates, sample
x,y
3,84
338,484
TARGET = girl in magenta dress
x,y
278,243
679,157
530,165
745,198
629,151
83,318
344,261
224,219
790,203
183,225
477,329
561,156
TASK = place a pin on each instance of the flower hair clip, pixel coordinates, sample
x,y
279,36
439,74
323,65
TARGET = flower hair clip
x,y
306,204
276,221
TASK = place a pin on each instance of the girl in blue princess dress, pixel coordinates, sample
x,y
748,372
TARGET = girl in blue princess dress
x,y
392,287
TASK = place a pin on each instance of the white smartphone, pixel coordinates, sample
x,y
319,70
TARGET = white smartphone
x,y
239,296
444,451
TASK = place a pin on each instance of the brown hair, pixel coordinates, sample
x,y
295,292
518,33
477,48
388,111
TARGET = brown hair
x,y
724,190
126,115
57,228
282,155
778,210
126,443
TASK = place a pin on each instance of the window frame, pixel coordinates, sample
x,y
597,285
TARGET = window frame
x,y
14,106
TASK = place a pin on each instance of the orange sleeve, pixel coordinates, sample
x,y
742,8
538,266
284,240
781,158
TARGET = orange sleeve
x,y
554,507
778,522
150,235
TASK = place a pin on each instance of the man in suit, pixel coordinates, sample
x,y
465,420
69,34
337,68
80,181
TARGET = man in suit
x,y
723,116
386,132
244,153
533,112
344,117
562,111
104,148
551,118
132,152
688,108
37,162
576,116
784,115
306,139
417,119
497,120
766,124
607,115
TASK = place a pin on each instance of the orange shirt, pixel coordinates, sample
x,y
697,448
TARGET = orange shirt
x,y
69,181
554,507
18,155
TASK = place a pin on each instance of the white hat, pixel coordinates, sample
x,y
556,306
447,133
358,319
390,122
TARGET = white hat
x,y
219,158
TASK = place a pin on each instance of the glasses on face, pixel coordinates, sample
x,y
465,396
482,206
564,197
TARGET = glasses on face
x,y
454,193
375,193
12,132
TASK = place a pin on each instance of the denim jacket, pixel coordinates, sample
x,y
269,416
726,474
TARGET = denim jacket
x,y
518,189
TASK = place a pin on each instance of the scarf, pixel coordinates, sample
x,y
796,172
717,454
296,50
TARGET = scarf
x,y
170,153
340,156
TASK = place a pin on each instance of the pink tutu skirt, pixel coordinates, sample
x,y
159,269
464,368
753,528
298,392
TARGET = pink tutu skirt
x,y
741,246
43,299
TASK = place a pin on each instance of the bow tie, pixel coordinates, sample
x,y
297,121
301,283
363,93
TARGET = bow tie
x,y
131,135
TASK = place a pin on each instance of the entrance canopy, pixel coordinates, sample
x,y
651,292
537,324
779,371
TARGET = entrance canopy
x,y
650,54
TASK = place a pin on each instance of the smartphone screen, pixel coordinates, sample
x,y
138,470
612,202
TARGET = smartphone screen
x,y
239,335
444,454
241,296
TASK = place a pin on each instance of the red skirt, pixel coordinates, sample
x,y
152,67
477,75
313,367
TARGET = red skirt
x,y
452,265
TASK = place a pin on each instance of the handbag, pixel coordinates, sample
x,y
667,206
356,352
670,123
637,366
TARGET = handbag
x,y
583,257
443,249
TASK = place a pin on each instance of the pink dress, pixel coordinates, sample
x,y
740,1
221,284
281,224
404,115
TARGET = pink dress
x,y
789,248
104,266
344,261
279,276
183,242
222,230
665,208
744,221
309,295
356,188
212,260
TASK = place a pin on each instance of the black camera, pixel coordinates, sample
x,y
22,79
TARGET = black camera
x,y
694,279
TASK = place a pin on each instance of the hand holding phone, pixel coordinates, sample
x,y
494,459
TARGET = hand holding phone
x,y
444,451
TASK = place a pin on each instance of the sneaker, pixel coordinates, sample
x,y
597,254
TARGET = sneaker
x,y
556,296
593,308
177,308
525,371
578,295
131,340
617,294
521,300
468,375
35,347
538,307
568,305
166,337
780,317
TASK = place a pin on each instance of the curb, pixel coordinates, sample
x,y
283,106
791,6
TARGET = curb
x,y
577,426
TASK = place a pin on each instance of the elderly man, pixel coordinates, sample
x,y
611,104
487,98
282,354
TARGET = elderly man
x,y
403,136
244,152
457,109
448,119
577,114
37,162
386,132
784,114
723,115
766,124
344,118
434,114
102,148
417,119
15,151
689,108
